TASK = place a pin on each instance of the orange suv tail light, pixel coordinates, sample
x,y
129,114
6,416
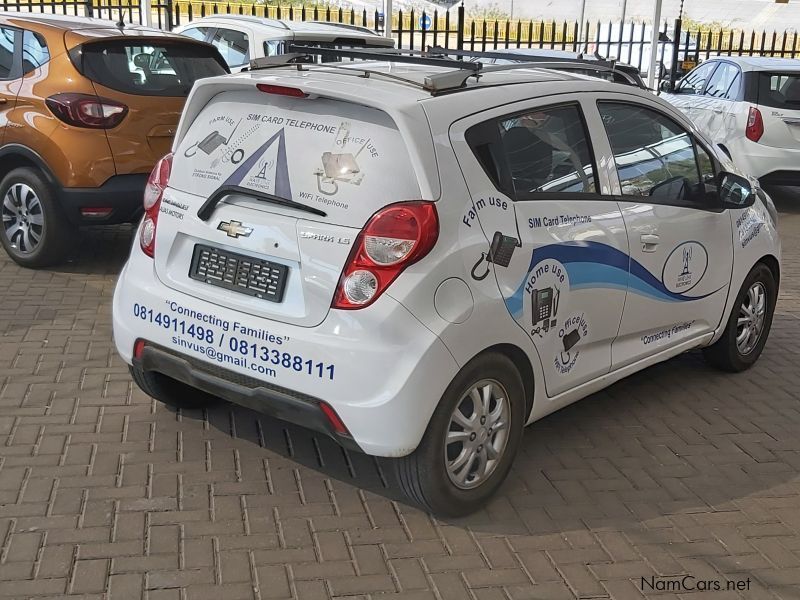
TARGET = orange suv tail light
x,y
87,111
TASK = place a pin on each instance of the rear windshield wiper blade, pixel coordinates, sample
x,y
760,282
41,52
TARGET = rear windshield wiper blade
x,y
209,205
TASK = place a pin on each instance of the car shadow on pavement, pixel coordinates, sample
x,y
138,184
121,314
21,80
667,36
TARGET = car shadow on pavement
x,y
98,251
676,439
786,199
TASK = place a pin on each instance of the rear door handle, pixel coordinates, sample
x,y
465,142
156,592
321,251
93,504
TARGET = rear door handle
x,y
649,242
3,100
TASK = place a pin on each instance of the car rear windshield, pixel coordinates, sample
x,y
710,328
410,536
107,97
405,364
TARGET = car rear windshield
x,y
147,68
779,90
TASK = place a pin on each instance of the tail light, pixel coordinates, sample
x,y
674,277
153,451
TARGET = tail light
x,y
281,90
153,191
755,125
394,238
87,110
138,348
334,419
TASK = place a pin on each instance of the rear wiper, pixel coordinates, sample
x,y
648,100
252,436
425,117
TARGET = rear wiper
x,y
209,205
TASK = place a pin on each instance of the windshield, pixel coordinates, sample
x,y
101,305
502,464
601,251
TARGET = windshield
x,y
149,69
779,90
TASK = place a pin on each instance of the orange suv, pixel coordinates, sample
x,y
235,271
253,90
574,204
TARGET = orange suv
x,y
86,110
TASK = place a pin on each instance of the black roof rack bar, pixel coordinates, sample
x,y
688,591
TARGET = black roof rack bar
x,y
597,63
387,54
521,55
455,76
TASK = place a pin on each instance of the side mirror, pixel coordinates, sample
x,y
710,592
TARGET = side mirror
x,y
665,86
735,191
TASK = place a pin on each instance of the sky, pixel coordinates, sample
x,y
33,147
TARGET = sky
x,y
742,14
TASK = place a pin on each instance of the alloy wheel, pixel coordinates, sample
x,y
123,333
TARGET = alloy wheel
x,y
23,218
750,324
477,435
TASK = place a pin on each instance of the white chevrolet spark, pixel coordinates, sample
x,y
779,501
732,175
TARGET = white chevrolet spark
x,y
419,260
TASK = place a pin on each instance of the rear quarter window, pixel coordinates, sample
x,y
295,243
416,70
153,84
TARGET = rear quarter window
x,y
34,51
148,68
540,151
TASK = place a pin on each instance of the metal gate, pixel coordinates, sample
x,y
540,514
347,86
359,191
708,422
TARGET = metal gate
x,y
157,13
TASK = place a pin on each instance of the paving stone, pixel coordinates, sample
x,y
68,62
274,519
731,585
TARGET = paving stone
x,y
106,494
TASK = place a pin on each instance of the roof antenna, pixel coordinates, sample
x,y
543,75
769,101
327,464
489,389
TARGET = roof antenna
x,y
121,22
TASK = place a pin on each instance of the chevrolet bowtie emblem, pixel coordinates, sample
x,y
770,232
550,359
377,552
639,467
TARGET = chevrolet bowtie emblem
x,y
234,229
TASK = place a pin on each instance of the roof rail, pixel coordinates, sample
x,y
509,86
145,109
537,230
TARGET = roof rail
x,y
346,26
580,62
512,53
265,21
397,55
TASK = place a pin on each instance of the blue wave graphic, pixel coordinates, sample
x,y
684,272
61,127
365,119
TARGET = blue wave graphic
x,y
592,265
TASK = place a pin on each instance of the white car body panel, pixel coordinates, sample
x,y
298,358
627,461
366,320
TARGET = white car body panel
x,y
394,359
262,32
724,120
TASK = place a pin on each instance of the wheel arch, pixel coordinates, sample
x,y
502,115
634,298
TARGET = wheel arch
x,y
774,266
14,156
523,365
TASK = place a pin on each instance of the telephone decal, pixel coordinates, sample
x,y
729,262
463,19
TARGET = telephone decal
x,y
341,167
544,309
211,142
501,250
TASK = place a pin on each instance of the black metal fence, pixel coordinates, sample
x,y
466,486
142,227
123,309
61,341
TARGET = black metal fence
x,y
677,50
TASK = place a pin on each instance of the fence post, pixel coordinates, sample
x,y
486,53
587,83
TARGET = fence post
x,y
676,46
146,13
460,36
88,9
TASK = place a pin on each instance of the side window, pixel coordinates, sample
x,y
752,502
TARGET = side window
x,y
273,48
655,156
734,87
6,52
542,151
196,33
34,51
233,45
695,81
721,81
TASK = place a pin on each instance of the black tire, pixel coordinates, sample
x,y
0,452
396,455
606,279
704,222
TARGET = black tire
x,y
725,354
56,233
423,475
170,391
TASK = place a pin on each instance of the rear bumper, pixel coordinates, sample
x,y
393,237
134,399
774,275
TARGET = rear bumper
x,y
121,193
249,392
770,165
380,369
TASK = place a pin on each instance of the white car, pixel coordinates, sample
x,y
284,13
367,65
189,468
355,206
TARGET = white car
x,y
242,38
750,106
418,262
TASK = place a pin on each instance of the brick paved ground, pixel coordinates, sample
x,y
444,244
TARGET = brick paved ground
x,y
677,470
